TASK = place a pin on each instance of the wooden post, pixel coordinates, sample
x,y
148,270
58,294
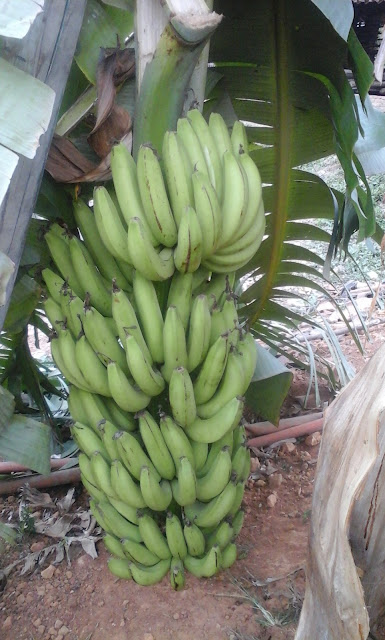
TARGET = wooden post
x,y
46,53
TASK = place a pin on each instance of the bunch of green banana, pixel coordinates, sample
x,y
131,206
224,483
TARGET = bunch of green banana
x,y
146,331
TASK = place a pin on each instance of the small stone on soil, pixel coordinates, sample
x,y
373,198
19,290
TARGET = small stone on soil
x,y
7,624
271,501
275,480
64,630
47,573
148,636
36,622
288,447
37,546
313,439
254,465
58,624
176,616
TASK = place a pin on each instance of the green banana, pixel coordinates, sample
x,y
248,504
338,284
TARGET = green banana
x,y
239,492
232,384
85,468
198,337
215,447
105,262
120,418
92,489
91,405
217,287
175,537
125,510
54,313
125,487
179,296
150,315
120,568
226,263
254,214
228,556
61,255
189,139
194,538
221,135
184,487
239,140
212,429
92,370
209,514
239,438
125,178
151,264
152,536
234,198
231,320
126,395
125,319
149,575
149,379
248,349
75,406
238,522
188,250
117,524
156,446
109,224
98,515
205,567
200,450
89,277
174,343
240,462
54,284
101,472
221,535
215,480
156,495
208,211
102,339
66,344
177,577
209,149
181,396
132,455
114,546
74,308
108,430
212,370
176,440
154,197
177,178
139,553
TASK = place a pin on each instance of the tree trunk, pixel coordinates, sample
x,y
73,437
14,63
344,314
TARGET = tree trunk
x,y
334,606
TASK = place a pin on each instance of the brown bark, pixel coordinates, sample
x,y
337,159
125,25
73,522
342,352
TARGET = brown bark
x,y
68,476
334,606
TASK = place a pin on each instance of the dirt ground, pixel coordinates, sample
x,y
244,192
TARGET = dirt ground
x,y
83,601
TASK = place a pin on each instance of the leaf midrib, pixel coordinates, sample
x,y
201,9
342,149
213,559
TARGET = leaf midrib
x,y
284,129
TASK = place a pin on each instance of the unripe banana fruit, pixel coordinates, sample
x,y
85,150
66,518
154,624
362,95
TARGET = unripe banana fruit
x,y
148,336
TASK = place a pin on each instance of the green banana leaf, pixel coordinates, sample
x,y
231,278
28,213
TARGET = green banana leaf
x,y
36,443
102,24
269,386
286,80
25,297
7,533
